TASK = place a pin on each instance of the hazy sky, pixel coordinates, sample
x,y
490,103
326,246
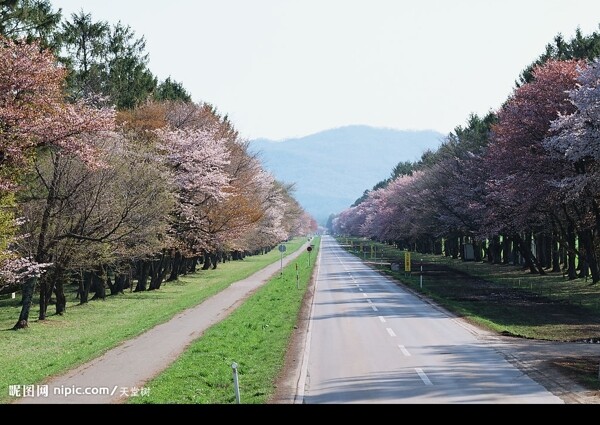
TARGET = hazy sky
x,y
287,68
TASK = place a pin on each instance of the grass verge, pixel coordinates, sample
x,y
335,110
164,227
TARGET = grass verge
x,y
61,343
255,336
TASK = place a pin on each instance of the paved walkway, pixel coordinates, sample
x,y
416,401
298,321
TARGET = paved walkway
x,y
138,360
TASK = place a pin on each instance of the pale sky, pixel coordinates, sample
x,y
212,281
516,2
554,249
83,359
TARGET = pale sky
x,y
290,68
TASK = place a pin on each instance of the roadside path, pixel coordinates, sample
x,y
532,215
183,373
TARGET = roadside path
x,y
128,366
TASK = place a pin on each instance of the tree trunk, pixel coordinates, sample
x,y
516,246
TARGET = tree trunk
x,y
159,272
175,267
452,247
587,239
142,278
119,284
488,251
555,254
47,283
59,291
99,285
27,299
207,261
496,250
505,250
525,250
42,299
571,253
86,286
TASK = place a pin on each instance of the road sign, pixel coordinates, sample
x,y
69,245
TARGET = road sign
x,y
282,249
309,249
407,261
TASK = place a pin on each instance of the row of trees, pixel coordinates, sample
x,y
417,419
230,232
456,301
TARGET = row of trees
x,y
520,185
109,180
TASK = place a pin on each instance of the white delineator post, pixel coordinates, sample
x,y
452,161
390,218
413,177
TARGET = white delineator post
x,y
236,383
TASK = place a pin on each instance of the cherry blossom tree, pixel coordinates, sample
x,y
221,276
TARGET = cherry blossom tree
x,y
82,218
520,197
574,143
34,115
198,160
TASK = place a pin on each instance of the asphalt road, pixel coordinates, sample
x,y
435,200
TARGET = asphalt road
x,y
371,341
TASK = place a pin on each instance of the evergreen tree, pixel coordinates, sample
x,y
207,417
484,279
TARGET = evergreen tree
x,y
30,20
172,90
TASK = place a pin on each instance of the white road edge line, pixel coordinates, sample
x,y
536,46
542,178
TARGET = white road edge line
x,y
301,384
423,376
382,319
404,350
391,331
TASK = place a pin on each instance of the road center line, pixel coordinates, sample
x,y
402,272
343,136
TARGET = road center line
x,y
423,376
382,319
365,295
374,308
404,350
360,289
391,332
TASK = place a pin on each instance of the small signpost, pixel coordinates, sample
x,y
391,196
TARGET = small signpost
x,y
309,249
282,249
407,267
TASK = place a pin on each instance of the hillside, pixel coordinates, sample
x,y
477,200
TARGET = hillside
x,y
333,168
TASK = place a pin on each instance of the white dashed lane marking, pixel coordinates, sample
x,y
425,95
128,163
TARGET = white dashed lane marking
x,y
423,376
391,332
404,350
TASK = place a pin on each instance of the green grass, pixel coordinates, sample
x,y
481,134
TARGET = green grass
x,y
86,331
503,298
255,336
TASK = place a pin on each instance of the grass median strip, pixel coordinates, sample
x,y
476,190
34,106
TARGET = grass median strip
x,y
61,343
255,336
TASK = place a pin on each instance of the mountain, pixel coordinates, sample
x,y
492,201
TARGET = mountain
x,y
333,168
